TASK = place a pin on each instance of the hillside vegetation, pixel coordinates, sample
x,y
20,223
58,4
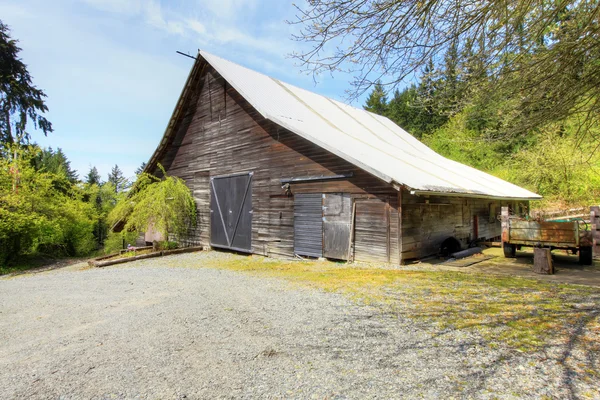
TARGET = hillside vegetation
x,y
557,160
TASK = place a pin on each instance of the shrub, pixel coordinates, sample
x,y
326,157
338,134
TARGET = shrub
x,y
164,204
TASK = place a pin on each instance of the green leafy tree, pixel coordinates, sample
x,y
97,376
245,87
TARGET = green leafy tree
x,y
20,101
543,54
164,204
35,216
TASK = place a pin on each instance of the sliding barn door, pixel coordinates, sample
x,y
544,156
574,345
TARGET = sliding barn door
x,y
308,224
231,212
322,224
337,214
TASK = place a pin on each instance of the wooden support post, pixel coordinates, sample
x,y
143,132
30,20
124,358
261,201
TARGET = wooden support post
x,y
350,256
595,228
505,224
542,261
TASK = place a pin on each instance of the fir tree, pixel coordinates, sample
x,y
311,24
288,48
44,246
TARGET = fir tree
x,y
377,101
57,163
117,178
93,177
20,101
141,168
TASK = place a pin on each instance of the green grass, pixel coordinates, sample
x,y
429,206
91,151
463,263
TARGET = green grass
x,y
25,263
522,313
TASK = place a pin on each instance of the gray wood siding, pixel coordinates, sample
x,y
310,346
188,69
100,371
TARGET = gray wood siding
x,y
219,133
427,221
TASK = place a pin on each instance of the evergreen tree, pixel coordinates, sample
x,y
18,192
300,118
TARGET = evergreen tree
x,y
405,112
141,168
377,101
117,178
93,177
449,82
56,162
20,101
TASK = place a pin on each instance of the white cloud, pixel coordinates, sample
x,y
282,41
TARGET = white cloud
x,y
127,7
229,9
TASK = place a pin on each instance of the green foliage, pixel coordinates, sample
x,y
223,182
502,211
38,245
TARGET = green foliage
x,y
104,198
116,177
166,245
473,126
114,241
20,101
36,217
377,101
164,204
93,177
557,166
456,141
141,168
552,162
543,55
55,161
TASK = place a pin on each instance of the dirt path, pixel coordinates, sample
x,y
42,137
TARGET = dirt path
x,y
146,330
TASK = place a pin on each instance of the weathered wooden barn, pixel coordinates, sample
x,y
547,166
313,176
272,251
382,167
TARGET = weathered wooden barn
x,y
280,171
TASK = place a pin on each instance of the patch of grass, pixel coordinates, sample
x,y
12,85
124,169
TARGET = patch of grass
x,y
25,263
522,313
131,253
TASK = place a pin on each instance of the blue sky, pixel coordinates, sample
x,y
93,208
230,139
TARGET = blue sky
x,y
112,76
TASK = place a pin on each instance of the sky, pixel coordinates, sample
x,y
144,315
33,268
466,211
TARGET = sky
x,y
112,75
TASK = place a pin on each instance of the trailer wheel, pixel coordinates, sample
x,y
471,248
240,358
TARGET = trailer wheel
x,y
510,250
585,255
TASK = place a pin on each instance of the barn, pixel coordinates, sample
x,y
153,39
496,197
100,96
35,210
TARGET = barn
x,y
280,171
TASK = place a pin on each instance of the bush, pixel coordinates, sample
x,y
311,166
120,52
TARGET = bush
x,y
39,215
165,204
165,245
114,241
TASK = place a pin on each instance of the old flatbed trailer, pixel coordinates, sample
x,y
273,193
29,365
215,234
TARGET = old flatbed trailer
x,y
566,235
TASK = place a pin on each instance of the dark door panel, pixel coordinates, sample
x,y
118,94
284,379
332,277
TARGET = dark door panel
x,y
308,224
231,212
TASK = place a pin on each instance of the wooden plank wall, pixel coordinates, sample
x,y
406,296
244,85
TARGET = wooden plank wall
x,y
428,221
220,133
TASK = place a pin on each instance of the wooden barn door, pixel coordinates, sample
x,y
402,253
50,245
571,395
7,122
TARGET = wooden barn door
x,y
308,224
337,214
231,212
371,231
322,224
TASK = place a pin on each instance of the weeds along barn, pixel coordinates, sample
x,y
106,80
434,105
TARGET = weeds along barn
x,y
280,171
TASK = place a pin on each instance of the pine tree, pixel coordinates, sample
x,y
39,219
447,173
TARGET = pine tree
x,y
141,168
449,82
57,163
21,103
377,101
117,178
404,111
93,177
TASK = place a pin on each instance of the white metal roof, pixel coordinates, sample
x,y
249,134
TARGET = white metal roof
x,y
370,141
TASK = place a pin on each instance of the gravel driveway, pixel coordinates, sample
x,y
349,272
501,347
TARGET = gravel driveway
x,y
146,330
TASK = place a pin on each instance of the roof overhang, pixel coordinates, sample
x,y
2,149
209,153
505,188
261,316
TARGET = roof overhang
x,y
470,195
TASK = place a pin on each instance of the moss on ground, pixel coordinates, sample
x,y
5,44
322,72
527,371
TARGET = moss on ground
x,y
522,313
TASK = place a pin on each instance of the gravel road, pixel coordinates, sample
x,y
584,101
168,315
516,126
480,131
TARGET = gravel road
x,y
152,329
